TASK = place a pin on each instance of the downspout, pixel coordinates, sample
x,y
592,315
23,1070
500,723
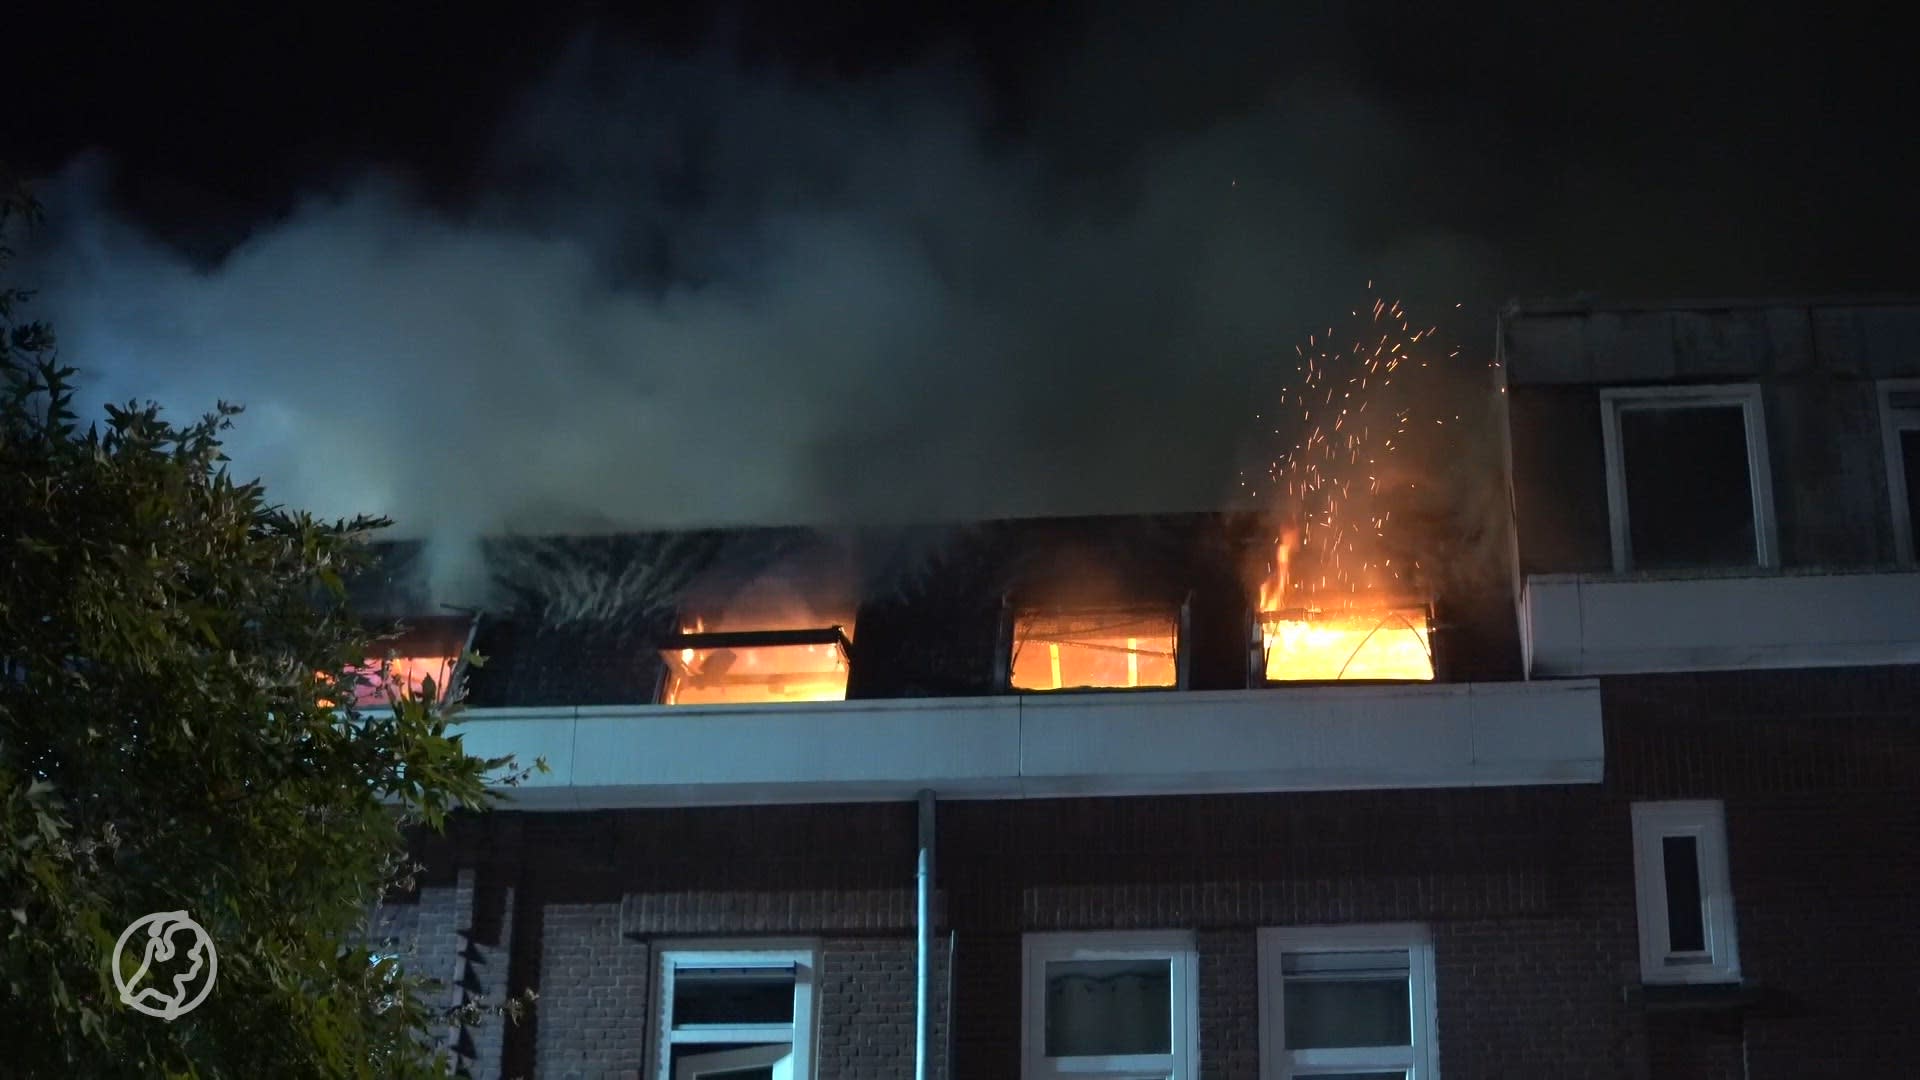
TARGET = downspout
x,y
923,968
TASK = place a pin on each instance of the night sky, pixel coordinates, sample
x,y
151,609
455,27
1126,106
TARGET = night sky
x,y
581,265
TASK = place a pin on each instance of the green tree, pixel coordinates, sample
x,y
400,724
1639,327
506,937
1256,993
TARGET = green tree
x,y
171,644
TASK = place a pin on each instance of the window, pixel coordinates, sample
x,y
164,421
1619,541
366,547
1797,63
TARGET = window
x,y
1347,1003
1688,483
426,647
755,666
1368,642
1112,1004
1900,424
741,1015
1115,648
1685,900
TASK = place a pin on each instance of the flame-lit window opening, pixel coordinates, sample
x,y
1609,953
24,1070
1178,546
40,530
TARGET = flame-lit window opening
x,y
1105,649
379,678
755,666
1384,642
425,647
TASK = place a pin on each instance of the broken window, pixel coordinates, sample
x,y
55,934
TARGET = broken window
x,y
743,667
1095,649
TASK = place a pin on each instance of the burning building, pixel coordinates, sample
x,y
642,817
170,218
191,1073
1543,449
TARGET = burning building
x,y
1228,795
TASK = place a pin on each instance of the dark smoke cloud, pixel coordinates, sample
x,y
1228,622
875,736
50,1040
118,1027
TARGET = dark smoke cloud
x,y
688,293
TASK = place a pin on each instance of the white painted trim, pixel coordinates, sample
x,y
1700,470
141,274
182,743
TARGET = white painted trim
x,y
1747,396
1892,422
1717,621
1175,946
1050,745
802,956
1705,822
1421,1059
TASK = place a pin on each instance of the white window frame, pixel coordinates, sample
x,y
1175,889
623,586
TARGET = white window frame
x,y
1421,1060
1766,541
1893,420
672,958
1705,821
1175,946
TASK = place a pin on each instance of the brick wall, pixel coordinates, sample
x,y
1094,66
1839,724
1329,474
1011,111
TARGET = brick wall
x,y
1529,893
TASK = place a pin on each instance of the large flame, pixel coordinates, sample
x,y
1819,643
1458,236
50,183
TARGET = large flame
x,y
1332,604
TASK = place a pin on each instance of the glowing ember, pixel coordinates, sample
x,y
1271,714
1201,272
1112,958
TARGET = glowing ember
x,y
1332,604
1095,649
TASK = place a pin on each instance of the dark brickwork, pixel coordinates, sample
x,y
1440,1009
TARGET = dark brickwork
x,y
867,1008
1529,893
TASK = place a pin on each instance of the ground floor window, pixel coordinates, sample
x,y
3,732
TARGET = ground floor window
x,y
735,1013
1110,1004
1347,1003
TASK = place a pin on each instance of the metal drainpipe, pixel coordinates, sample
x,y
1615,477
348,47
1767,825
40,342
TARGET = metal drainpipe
x,y
923,969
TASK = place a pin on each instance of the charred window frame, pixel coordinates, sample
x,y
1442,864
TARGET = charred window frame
x,y
1900,428
1684,893
726,1007
1620,405
1012,611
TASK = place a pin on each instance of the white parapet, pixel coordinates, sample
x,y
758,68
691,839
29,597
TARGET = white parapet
x,y
1608,625
1278,739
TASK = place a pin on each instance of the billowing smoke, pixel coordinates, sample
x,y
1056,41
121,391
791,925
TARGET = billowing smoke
x,y
687,293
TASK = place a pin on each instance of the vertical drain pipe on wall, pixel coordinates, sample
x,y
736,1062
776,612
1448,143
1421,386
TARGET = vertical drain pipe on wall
x,y
923,969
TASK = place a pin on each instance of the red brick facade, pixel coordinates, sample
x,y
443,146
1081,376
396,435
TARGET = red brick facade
x,y
1529,894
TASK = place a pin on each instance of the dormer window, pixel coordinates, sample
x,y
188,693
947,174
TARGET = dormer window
x,y
1059,648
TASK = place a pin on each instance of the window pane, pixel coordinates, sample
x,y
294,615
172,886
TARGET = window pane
x,y
1328,1012
1100,1007
1910,462
1689,498
732,996
731,1061
1686,931
1396,1074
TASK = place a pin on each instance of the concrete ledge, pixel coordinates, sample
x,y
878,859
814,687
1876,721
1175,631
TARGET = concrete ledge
x,y
1440,735
1603,625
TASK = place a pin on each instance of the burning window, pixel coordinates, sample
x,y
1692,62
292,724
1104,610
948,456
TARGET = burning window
x,y
1110,649
378,678
428,647
1360,635
744,667
1367,642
